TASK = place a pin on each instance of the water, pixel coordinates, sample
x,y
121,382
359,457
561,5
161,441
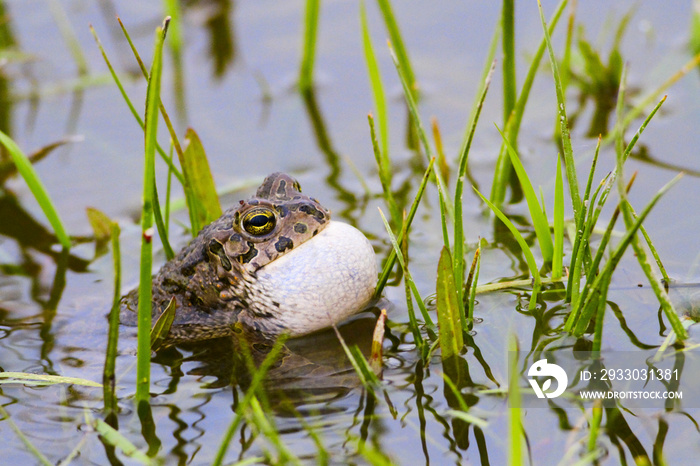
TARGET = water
x,y
252,122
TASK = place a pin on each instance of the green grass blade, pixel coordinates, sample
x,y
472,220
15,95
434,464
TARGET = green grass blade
x,y
44,379
594,429
391,260
508,43
592,270
471,285
381,148
628,215
384,170
201,182
126,98
160,225
108,376
375,79
539,220
600,319
306,70
641,129
515,426
362,368
563,123
529,258
143,365
113,437
396,39
652,250
462,173
161,328
30,176
186,181
502,171
600,279
450,319
407,273
558,257
271,433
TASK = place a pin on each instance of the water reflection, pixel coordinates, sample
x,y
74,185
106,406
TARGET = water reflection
x,y
216,16
333,159
311,370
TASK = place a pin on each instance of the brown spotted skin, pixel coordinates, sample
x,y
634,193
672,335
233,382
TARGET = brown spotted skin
x,y
212,279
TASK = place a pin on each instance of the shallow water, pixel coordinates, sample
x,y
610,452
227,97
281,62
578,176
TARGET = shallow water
x,y
252,122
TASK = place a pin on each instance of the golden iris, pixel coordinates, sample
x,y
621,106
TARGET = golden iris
x,y
259,221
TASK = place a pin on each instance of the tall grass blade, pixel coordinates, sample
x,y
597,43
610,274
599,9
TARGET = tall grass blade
x,y
306,70
601,281
512,128
185,179
629,217
201,182
396,39
508,43
375,79
143,365
539,219
592,270
30,176
108,376
462,173
126,98
384,169
529,257
406,272
450,320
558,257
391,260
563,123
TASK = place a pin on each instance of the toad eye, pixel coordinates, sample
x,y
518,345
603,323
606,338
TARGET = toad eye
x,y
259,221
